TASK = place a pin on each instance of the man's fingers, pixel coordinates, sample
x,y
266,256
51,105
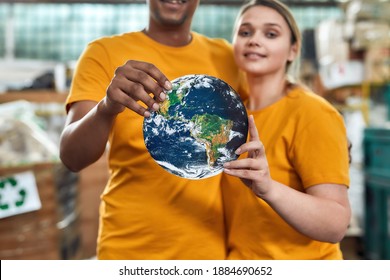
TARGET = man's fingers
x,y
155,73
118,96
128,93
138,81
148,76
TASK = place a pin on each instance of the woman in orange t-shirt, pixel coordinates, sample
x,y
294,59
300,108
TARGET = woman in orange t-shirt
x,y
292,199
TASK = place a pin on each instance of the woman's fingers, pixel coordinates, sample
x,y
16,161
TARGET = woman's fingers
x,y
247,163
245,174
247,167
253,133
255,149
253,170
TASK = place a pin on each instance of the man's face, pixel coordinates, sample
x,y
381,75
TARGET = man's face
x,y
172,12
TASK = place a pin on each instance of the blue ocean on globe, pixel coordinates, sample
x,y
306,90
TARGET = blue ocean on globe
x,y
197,128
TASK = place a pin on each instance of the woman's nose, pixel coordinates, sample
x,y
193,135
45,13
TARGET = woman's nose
x,y
254,41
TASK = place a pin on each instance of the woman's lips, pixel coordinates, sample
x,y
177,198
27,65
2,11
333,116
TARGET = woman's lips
x,y
253,55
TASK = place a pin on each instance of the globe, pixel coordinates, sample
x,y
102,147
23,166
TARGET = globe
x,y
198,127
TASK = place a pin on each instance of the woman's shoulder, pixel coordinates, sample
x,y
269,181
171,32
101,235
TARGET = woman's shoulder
x,y
311,112
309,101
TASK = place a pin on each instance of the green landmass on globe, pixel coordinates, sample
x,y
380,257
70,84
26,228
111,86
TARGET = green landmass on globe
x,y
213,131
210,130
175,96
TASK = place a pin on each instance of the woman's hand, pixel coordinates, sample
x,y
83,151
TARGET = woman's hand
x,y
133,82
253,170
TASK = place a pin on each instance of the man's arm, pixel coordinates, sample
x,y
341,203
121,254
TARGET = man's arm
x,y
88,123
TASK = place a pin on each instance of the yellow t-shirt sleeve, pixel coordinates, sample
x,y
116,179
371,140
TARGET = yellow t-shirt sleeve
x,y
327,160
92,76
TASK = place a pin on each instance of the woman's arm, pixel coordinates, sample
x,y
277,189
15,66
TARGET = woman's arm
x,y
322,213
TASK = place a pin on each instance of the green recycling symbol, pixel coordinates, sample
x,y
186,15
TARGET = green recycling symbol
x,y
21,193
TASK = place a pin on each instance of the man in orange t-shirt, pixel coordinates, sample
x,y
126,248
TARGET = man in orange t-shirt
x,y
146,212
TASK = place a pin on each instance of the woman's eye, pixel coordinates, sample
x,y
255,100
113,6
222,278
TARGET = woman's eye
x,y
271,34
244,33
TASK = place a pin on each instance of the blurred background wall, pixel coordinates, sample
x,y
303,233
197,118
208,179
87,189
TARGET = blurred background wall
x,y
61,31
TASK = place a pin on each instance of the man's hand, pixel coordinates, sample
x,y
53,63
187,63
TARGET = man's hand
x,y
135,81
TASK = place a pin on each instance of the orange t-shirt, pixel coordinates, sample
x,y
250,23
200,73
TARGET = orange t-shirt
x,y
306,144
146,212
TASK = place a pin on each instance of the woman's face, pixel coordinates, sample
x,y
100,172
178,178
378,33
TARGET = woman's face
x,y
262,42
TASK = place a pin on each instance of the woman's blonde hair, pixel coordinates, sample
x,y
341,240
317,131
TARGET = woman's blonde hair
x,y
292,67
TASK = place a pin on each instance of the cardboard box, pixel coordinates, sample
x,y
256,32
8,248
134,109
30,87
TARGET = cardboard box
x,y
50,232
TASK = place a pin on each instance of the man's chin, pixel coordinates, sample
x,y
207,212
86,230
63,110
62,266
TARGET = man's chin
x,y
174,22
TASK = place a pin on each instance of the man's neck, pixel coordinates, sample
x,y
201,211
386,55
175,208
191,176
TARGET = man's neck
x,y
173,38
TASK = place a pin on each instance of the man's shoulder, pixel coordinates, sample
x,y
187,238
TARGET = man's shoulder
x,y
116,37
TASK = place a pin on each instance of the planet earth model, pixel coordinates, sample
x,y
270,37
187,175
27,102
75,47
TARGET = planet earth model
x,y
198,127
